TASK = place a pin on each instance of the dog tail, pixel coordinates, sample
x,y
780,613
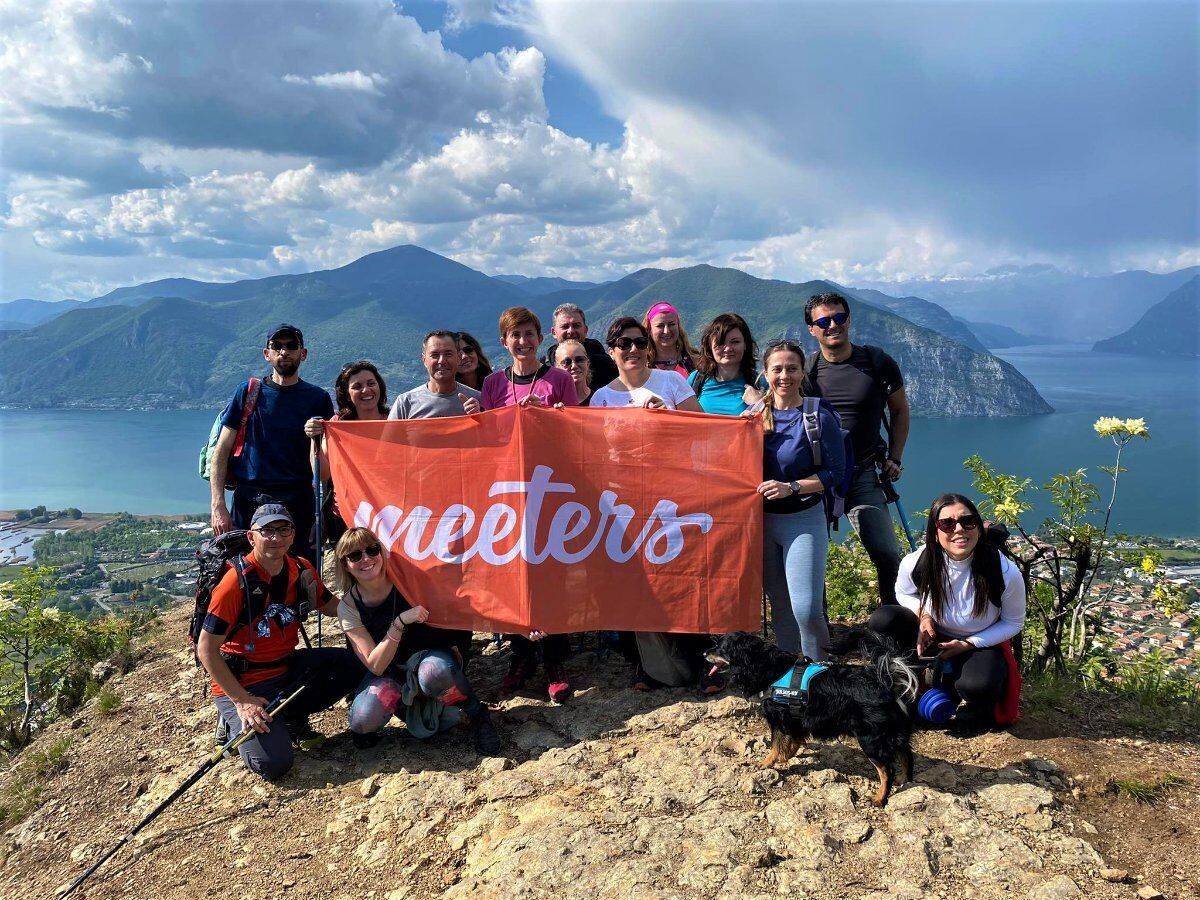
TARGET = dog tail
x,y
881,654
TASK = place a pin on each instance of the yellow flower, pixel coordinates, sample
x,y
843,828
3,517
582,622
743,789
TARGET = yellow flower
x,y
6,604
1137,428
53,613
1107,426
1148,565
1007,510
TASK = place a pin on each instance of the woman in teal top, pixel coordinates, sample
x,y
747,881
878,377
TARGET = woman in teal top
x,y
725,366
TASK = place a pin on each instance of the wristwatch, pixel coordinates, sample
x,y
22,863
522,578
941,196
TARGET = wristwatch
x,y
795,486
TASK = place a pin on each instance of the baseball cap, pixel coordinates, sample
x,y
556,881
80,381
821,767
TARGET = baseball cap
x,y
270,513
285,328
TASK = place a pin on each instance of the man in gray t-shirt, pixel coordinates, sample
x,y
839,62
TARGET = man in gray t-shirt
x,y
441,396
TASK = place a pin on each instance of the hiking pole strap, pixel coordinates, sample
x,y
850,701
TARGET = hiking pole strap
x,y
232,744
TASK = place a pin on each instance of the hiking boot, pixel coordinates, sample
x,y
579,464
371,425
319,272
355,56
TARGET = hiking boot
x,y
514,678
641,681
559,687
485,735
366,741
712,682
301,732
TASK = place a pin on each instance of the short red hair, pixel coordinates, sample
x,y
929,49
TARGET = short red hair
x,y
516,316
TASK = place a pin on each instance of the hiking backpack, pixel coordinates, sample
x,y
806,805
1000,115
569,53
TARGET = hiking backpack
x,y
239,443
834,497
875,356
226,551
213,557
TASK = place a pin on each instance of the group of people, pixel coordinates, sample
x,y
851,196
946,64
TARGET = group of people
x,y
959,598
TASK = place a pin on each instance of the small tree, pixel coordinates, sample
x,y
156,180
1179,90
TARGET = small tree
x,y
1061,558
31,641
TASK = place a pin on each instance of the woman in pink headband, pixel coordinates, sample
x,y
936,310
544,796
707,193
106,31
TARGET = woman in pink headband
x,y
670,348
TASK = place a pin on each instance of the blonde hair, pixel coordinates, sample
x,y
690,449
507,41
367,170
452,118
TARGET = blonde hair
x,y
353,539
768,414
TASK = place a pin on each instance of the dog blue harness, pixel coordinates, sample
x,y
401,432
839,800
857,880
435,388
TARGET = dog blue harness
x,y
791,688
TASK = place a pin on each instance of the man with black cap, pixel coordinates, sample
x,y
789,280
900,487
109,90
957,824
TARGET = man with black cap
x,y
248,644
263,445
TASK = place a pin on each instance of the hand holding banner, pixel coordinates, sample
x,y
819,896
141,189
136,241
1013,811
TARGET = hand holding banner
x,y
563,520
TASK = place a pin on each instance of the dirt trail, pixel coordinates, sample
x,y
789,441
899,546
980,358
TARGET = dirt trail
x,y
616,794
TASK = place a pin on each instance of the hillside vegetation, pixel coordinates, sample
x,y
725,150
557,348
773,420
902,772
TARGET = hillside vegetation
x,y
138,347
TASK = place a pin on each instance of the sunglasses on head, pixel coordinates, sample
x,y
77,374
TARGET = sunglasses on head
x,y
625,344
948,524
291,346
784,344
836,319
355,555
567,361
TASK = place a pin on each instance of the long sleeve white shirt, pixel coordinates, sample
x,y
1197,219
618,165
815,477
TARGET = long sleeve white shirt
x,y
995,626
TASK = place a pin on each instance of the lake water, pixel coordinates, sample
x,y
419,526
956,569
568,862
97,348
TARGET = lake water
x,y
145,461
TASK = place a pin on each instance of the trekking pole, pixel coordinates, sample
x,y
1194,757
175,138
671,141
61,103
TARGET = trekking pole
x,y
232,744
318,492
890,496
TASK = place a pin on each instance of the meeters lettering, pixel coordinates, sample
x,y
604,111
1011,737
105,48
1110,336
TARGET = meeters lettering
x,y
660,539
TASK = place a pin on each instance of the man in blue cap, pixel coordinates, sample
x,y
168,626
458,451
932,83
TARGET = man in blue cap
x,y
263,446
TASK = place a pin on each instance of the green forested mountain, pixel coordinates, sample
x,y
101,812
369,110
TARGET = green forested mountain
x,y
944,377
1170,327
191,351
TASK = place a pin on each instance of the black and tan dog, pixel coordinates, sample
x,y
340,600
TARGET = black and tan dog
x,y
867,701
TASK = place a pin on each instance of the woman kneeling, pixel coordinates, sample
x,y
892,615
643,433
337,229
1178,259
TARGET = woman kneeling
x,y
409,664
962,601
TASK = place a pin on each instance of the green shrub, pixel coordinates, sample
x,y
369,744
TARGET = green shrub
x,y
107,700
1145,790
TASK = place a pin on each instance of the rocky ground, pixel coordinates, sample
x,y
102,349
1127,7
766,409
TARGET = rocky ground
x,y
615,794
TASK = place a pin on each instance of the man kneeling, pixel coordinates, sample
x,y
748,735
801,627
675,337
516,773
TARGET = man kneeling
x,y
248,644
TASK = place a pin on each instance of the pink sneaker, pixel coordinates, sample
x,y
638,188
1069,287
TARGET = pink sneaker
x,y
559,688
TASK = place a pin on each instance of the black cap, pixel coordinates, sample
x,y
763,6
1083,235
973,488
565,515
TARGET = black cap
x,y
285,328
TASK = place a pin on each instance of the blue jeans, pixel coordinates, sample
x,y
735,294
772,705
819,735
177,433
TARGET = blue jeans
x,y
438,675
794,548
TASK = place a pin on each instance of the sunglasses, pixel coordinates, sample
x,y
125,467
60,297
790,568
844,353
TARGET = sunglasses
x,y
277,346
836,319
567,361
948,524
355,555
625,344
784,344
276,534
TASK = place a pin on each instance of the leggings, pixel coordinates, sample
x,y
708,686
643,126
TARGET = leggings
x,y
794,548
438,675
977,676
555,649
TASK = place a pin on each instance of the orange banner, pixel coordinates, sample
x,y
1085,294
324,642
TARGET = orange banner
x,y
563,519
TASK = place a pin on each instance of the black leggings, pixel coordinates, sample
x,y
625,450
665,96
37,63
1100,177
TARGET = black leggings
x,y
555,649
977,676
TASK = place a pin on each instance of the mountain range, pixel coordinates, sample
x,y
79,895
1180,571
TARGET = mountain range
x,y
180,342
1170,327
1047,304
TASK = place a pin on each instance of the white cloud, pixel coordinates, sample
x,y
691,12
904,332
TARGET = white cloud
x,y
346,81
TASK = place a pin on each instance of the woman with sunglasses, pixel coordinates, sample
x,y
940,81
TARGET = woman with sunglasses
x,y
571,357
409,664
726,367
636,383
961,600
795,534
671,350
475,365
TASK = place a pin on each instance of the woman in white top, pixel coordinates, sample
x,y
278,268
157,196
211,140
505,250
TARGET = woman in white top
x,y
636,383
663,659
960,599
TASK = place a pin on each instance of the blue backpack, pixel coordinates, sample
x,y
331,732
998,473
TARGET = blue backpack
x,y
833,498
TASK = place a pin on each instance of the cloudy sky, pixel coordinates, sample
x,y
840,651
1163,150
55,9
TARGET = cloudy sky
x,y
856,141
